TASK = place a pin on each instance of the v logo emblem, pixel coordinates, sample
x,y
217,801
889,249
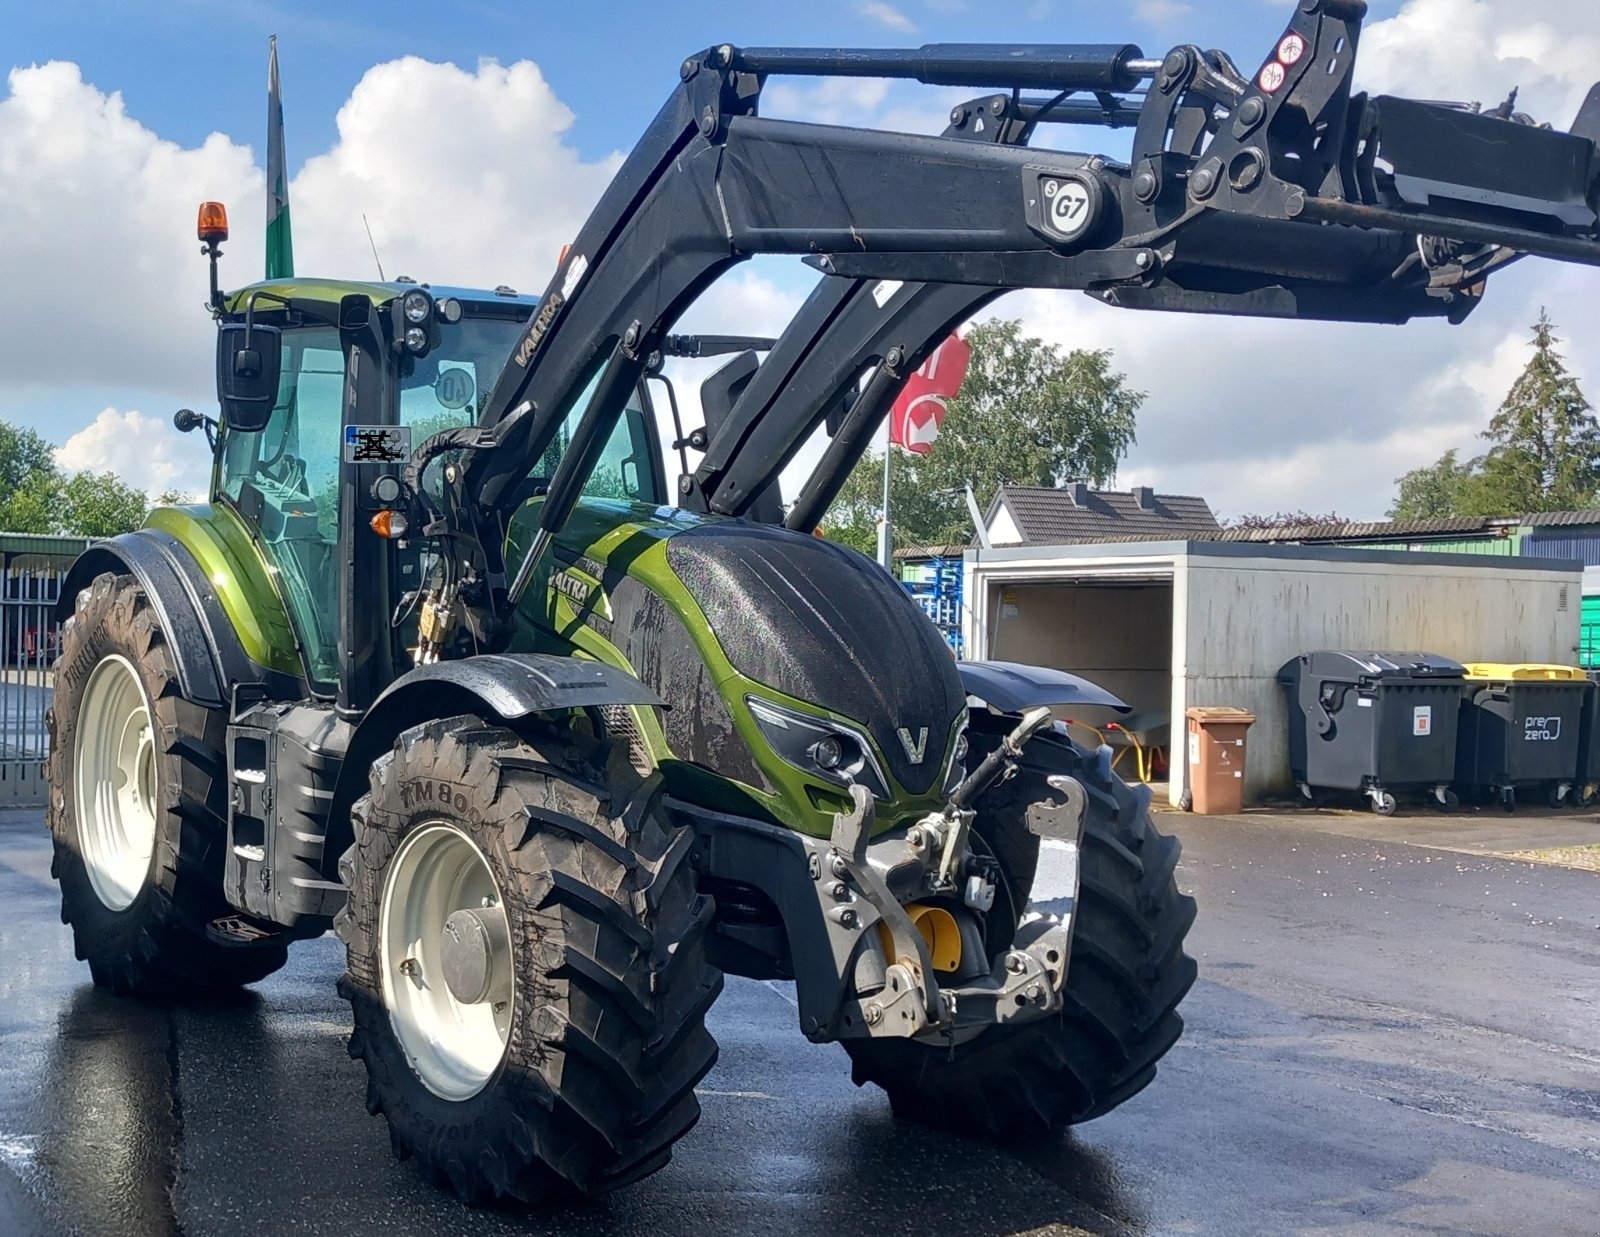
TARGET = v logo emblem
x,y
915,749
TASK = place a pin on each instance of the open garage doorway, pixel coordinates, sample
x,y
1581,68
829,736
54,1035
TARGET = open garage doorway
x,y
1116,633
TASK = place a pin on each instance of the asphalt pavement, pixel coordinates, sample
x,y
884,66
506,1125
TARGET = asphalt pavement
x,y
1385,1038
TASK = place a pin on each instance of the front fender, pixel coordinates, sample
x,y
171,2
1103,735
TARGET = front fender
x,y
504,687
513,685
1012,687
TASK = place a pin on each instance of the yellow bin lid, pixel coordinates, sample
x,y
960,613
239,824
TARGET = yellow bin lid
x,y
1514,671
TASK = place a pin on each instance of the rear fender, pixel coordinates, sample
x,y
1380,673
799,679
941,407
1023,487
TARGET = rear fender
x,y
206,651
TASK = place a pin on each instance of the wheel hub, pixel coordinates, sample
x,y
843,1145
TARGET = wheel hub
x,y
474,954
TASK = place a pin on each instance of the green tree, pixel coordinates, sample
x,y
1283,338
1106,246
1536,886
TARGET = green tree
x,y
1433,491
101,505
37,497
1545,452
1283,519
28,476
1027,414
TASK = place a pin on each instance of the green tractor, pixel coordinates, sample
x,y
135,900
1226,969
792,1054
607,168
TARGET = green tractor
x,y
449,665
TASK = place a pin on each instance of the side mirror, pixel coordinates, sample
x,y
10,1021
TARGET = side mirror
x,y
249,360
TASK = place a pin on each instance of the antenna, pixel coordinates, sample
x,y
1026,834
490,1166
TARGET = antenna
x,y
374,245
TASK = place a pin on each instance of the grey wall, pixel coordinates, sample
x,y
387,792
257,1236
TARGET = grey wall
x,y
1241,619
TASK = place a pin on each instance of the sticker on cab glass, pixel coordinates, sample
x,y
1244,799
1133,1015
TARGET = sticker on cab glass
x,y
377,444
455,388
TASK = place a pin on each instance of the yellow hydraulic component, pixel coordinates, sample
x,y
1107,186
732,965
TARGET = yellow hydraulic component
x,y
1502,671
939,930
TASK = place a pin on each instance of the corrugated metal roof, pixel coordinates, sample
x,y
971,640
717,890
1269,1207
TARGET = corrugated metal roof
x,y
1561,518
42,543
1054,517
1437,527
951,550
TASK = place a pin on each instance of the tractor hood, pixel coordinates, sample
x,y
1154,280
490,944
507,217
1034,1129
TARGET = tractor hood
x,y
715,613
823,624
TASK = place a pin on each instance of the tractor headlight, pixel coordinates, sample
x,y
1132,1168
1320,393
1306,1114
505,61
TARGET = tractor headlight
x,y
833,751
416,338
958,760
417,306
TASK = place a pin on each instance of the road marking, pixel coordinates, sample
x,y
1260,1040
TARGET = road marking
x,y
773,984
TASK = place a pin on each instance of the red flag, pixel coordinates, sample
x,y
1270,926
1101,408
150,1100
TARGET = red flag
x,y
914,421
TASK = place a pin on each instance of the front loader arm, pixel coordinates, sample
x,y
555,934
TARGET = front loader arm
x,y
1280,194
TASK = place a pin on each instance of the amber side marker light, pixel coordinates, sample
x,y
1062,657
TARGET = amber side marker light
x,y
390,524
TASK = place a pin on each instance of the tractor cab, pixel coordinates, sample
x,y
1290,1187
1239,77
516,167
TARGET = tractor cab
x,y
326,387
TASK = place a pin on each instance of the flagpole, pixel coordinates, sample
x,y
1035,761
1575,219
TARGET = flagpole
x,y
886,528
280,245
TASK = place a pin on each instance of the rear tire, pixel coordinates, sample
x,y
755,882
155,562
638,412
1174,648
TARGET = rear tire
x,y
601,1019
138,807
1127,975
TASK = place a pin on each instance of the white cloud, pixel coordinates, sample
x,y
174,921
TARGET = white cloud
x,y
106,279
423,152
831,101
97,240
887,15
1481,49
1263,416
144,451
1161,12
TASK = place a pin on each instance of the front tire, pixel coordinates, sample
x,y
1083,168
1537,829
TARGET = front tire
x,y
564,1056
138,807
1128,970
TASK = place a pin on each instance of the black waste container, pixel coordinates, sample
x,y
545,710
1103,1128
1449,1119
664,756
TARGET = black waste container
x,y
1521,725
1374,723
1588,783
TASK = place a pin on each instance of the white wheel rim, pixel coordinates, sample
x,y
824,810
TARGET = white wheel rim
x,y
114,782
455,1047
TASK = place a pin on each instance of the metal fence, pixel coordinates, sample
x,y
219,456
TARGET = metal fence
x,y
30,638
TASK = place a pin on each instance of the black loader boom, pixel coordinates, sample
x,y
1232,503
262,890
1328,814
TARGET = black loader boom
x,y
1275,193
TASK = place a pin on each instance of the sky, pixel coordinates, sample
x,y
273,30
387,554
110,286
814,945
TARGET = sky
x,y
474,136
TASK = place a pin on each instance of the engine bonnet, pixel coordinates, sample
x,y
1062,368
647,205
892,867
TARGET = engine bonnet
x,y
823,624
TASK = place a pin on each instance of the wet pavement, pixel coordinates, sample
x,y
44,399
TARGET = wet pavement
x,y
1385,1038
